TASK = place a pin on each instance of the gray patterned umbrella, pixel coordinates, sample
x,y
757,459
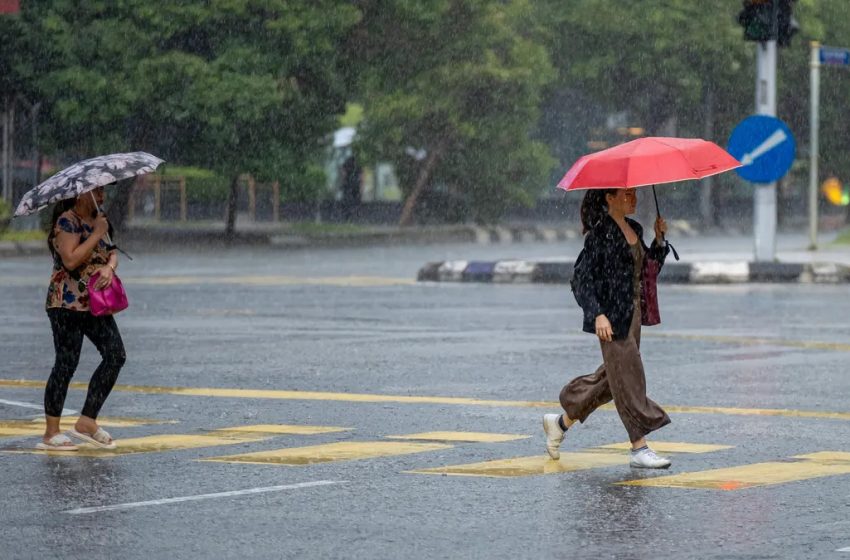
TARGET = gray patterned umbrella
x,y
86,176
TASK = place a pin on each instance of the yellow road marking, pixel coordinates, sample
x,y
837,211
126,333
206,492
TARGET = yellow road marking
x,y
151,444
531,466
273,429
475,437
176,442
671,447
34,427
602,456
293,395
275,280
826,457
342,451
803,467
755,341
406,399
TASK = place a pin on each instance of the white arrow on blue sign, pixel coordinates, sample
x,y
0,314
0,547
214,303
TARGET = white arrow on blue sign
x,y
765,146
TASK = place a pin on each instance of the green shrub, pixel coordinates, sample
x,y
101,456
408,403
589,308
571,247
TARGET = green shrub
x,y
5,215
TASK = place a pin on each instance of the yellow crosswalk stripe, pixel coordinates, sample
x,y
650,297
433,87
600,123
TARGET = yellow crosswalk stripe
x,y
175,442
472,437
801,467
671,447
277,394
280,429
598,457
148,444
531,466
331,452
756,341
35,427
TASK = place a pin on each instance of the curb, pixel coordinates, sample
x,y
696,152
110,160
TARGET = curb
x,y
708,272
143,238
22,248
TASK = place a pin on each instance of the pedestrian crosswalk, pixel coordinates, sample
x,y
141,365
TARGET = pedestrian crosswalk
x,y
35,426
177,442
434,447
329,453
599,457
798,468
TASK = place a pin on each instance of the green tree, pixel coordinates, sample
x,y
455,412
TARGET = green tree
x,y
460,83
238,86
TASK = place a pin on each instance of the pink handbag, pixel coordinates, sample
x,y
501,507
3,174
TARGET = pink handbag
x,y
109,300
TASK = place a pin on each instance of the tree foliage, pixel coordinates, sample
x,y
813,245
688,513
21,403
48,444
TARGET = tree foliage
x,y
459,82
469,98
232,85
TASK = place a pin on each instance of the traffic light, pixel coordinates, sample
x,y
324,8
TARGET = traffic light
x,y
757,20
764,20
786,25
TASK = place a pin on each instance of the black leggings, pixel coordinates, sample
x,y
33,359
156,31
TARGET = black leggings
x,y
69,327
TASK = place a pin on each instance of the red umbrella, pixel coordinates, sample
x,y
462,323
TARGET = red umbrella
x,y
648,161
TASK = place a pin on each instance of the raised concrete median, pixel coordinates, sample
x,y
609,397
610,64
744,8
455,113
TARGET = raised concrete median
x,y
708,272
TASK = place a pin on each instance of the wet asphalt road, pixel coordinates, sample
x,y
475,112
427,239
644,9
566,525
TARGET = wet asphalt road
x,y
298,321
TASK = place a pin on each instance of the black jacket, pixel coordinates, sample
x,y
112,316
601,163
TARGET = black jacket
x,y
604,275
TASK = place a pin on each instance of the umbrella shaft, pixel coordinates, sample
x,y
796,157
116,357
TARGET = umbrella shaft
x,y
109,239
657,211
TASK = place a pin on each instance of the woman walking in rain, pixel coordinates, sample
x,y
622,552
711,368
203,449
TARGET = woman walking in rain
x,y
608,288
77,241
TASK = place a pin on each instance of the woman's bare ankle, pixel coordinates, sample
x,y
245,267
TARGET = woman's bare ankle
x,y
48,435
85,425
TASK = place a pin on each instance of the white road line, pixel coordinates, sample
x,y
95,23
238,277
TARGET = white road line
x,y
65,411
261,490
845,549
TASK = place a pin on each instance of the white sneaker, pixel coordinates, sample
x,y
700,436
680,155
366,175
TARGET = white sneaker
x,y
554,435
647,459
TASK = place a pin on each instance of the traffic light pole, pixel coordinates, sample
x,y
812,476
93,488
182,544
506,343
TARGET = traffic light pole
x,y
813,145
764,224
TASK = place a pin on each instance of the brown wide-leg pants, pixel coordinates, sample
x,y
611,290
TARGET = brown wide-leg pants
x,y
621,378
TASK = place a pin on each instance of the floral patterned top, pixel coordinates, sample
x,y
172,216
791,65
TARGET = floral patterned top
x,y
67,288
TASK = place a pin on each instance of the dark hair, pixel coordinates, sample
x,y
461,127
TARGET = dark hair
x,y
58,209
594,207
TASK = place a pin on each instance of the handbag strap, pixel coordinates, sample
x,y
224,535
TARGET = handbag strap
x,y
670,245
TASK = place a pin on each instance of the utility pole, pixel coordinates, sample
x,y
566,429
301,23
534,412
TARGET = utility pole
x,y
770,23
813,144
764,225
8,150
7,7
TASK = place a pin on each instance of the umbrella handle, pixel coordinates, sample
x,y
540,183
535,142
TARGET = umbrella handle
x,y
657,211
108,237
658,214
97,207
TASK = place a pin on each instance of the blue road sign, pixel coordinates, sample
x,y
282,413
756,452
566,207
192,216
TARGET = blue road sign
x,y
765,146
835,56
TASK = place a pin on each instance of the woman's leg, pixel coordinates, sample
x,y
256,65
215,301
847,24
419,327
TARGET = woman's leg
x,y
584,394
579,398
67,343
640,415
104,334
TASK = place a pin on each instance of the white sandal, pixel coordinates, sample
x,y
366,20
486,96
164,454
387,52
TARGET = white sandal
x,y
100,438
59,442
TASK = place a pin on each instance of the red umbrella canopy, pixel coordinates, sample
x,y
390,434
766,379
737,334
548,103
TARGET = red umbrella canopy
x,y
648,161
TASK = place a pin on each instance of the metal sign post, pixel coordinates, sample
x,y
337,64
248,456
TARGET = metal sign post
x,y
814,96
764,226
821,56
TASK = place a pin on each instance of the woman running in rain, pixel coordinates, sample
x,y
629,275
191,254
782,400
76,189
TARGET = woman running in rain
x,y
608,288
79,250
